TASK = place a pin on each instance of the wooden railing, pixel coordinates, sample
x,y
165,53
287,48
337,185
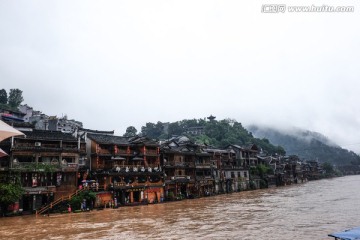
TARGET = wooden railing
x,y
56,202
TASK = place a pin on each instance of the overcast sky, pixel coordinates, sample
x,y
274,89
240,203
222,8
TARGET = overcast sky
x,y
112,64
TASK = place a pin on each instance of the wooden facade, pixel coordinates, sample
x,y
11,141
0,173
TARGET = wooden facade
x,y
188,170
47,163
128,167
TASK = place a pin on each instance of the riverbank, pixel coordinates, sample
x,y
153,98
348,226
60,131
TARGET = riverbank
x,y
303,211
111,206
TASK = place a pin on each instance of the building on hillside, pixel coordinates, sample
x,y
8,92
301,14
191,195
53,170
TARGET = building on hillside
x,y
40,120
199,130
9,114
211,118
27,111
63,124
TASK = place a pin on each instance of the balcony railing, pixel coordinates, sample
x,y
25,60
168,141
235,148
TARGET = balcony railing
x,y
47,145
199,178
44,167
103,151
69,167
44,147
151,152
203,165
179,177
122,152
179,164
70,147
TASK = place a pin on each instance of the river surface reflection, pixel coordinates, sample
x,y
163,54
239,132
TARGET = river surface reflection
x,y
304,211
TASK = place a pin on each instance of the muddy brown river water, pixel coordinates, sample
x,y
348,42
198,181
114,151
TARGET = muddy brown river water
x,y
305,211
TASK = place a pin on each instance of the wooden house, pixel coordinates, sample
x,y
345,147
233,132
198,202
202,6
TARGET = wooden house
x,y
128,168
47,162
187,169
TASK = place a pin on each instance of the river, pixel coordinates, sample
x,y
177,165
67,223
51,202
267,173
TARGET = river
x,y
305,211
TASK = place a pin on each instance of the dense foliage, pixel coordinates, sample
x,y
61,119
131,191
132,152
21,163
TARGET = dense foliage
x,y
215,133
130,132
308,145
15,98
10,191
13,101
3,96
87,196
329,170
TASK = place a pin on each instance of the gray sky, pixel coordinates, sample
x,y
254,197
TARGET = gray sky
x,y
112,64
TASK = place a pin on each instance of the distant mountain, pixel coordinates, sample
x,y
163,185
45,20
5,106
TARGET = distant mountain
x,y
306,144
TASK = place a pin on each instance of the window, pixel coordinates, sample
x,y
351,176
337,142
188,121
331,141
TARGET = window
x,y
245,174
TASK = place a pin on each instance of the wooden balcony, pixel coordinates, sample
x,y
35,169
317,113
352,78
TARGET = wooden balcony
x,y
203,165
70,147
69,167
35,167
179,178
201,178
179,165
103,152
122,152
50,145
151,153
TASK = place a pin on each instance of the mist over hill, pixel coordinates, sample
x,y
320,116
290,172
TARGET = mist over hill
x,y
306,144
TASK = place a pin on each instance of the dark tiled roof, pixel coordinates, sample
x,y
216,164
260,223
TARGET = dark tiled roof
x,y
48,135
108,139
178,149
20,124
96,131
235,146
143,141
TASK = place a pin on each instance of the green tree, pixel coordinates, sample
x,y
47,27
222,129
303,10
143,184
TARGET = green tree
x,y
10,192
130,132
3,96
329,169
88,196
15,98
217,133
153,130
176,128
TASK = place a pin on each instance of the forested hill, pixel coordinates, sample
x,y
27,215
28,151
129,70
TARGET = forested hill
x,y
215,133
307,145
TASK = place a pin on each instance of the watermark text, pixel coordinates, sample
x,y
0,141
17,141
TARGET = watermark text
x,y
282,8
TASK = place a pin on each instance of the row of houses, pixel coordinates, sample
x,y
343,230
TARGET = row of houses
x,y
134,170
